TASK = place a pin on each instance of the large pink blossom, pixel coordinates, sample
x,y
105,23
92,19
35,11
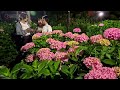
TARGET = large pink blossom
x,y
47,33
57,32
92,62
37,35
45,54
61,34
27,46
76,30
101,73
55,44
95,38
72,49
63,56
75,35
112,33
30,58
69,35
81,38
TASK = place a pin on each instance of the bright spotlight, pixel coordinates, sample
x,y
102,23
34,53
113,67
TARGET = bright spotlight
x,y
100,14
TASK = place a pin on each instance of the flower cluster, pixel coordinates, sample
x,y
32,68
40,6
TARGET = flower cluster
x,y
47,33
72,49
101,24
56,32
72,43
30,58
95,38
76,30
81,38
104,42
69,35
45,54
55,44
61,34
92,62
27,46
63,56
36,36
112,33
101,73
75,35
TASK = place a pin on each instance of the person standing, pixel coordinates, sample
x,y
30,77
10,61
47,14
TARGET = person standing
x,y
23,36
23,30
46,26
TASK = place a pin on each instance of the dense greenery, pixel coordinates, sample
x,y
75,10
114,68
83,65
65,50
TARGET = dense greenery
x,y
8,51
74,68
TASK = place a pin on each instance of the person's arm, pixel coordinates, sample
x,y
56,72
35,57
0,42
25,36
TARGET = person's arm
x,y
19,30
49,28
45,29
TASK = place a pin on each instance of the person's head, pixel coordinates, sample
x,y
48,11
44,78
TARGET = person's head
x,y
23,17
40,22
44,19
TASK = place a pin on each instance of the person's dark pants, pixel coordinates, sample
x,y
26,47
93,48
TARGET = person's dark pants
x,y
20,41
27,39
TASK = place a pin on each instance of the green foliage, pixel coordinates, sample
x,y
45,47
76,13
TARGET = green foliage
x,y
41,42
33,25
69,70
37,69
74,68
8,50
59,27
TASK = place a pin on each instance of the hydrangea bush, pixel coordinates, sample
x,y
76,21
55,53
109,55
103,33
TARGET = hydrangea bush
x,y
70,55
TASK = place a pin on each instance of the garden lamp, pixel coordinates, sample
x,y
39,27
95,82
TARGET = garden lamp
x,y
100,14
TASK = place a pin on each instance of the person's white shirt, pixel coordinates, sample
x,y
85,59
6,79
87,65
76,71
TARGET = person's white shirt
x,y
46,28
39,29
25,26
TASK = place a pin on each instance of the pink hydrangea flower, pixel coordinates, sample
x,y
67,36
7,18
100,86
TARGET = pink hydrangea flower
x,y
43,50
75,35
30,58
55,44
57,32
81,38
37,35
101,73
76,30
63,56
72,49
61,34
95,38
47,33
112,33
27,46
69,35
92,62
101,24
45,54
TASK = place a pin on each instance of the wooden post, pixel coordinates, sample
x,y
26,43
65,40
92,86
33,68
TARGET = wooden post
x,y
17,15
29,17
68,23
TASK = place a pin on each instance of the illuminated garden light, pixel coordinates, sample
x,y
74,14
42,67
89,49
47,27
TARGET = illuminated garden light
x,y
100,14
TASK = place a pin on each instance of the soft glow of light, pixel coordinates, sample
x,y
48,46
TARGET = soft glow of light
x,y
100,14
